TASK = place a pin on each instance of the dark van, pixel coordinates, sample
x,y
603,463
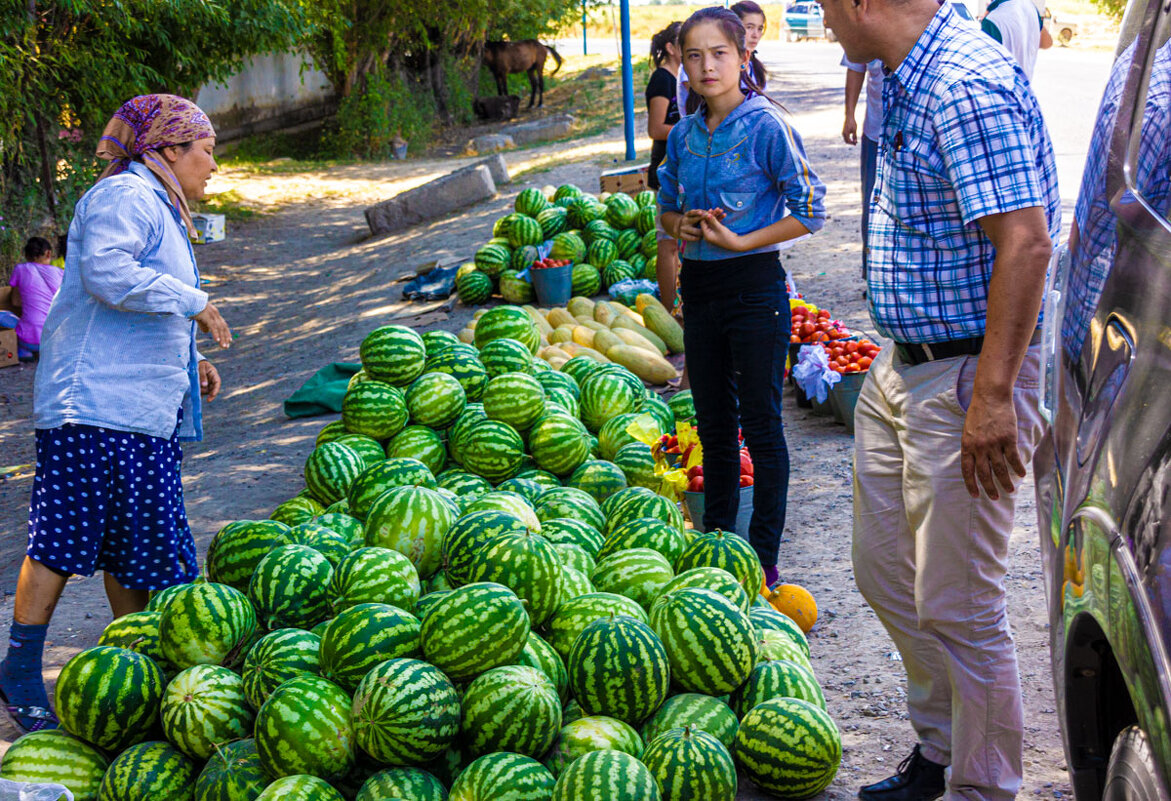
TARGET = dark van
x,y
1104,470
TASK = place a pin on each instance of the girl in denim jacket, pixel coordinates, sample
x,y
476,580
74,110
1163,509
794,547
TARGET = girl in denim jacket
x,y
735,185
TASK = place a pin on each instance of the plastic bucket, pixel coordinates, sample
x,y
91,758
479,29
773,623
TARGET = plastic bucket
x,y
553,285
694,503
844,395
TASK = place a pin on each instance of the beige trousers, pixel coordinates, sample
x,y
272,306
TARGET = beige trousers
x,y
931,561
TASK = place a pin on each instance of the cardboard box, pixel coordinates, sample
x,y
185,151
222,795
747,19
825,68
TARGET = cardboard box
x,y
6,299
8,347
208,228
630,180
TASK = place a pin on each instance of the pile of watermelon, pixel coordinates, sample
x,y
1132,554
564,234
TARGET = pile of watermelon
x,y
607,238
478,595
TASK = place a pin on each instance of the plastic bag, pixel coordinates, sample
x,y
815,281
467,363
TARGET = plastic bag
x,y
626,290
813,373
23,791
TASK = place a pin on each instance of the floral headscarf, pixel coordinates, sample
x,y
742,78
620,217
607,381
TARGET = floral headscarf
x,y
145,125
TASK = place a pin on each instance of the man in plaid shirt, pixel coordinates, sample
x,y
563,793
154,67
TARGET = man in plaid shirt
x,y
962,223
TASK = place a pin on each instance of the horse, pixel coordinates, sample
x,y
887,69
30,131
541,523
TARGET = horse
x,y
527,55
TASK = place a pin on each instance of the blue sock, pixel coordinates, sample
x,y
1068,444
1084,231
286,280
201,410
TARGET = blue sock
x,y
20,672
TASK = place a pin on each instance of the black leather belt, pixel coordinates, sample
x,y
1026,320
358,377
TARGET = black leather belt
x,y
914,353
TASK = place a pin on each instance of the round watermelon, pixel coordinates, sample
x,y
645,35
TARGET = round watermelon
x,y
568,245
517,399
601,252
539,654
464,364
553,221
682,406
613,434
507,322
621,210
579,368
139,632
394,354
515,288
645,532
290,587
559,443
725,550
147,772
524,230
505,356
475,628
511,708
277,657
710,642
374,575
636,573
473,288
598,478
769,618
606,776
788,747
330,544
605,394
364,635
300,788
408,784
512,503
54,757
588,734
470,534
619,668
330,469
206,624
777,679
238,547
689,764
435,400
619,270
503,777
711,578
413,522
491,259
466,485
492,449
559,530
374,408
700,712
421,443
586,278
405,711
304,728
570,502
203,708
525,563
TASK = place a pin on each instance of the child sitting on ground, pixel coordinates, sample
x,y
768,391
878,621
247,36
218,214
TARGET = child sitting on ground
x,y
34,282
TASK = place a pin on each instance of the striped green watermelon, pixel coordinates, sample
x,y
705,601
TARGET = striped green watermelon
x,y
586,278
329,471
304,728
581,212
387,475
553,221
52,756
506,355
588,734
405,712
559,443
525,563
515,288
517,399
682,405
330,432
524,230
522,258
619,668
788,747
715,579
330,544
613,434
407,784
579,368
702,712
232,773
341,507
360,637
578,558
539,654
510,503
148,772
570,502
492,449
637,463
561,400
374,408
621,210
619,270
658,408
604,394
645,532
629,242
296,510
606,776
769,618
574,582
553,379
491,259
598,230
644,222
528,489
563,529
394,354
503,777
566,191
425,604
727,551
475,628
206,624
469,535
457,434
437,340
601,252
137,631
507,322
300,788
419,442
412,521
510,708
369,450
611,505
568,245
435,400
691,765
710,642
773,645
290,588
464,364
277,657
646,198
648,246
650,270
598,478
636,573
464,484
638,262
374,575
572,711
203,708
474,288
500,228
647,504
777,679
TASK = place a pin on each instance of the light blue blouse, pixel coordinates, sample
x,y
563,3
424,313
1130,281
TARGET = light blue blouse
x,y
118,346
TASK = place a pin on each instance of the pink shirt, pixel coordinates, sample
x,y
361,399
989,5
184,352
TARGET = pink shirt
x,y
37,284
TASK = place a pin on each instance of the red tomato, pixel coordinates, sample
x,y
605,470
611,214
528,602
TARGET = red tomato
x,y
746,481
865,362
695,485
823,314
745,464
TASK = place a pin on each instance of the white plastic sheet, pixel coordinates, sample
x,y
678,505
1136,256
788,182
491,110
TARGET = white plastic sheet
x,y
813,374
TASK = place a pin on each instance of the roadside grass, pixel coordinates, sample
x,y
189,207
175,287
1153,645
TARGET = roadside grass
x,y
234,206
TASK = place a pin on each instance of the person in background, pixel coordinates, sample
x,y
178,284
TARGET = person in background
x,y
752,17
871,74
1018,26
62,251
34,283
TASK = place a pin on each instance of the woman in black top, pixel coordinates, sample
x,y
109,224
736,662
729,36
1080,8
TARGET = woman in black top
x,y
661,105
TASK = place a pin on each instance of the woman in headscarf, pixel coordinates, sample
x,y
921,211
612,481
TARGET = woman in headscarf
x,y
118,386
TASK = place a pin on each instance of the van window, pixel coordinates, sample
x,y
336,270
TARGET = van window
x,y
1149,151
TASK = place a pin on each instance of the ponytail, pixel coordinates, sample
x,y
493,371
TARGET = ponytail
x,y
660,40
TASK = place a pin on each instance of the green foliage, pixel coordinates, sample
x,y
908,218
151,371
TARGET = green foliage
x,y
369,121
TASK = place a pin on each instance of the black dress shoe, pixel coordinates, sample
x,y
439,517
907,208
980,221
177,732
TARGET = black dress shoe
x,y
917,779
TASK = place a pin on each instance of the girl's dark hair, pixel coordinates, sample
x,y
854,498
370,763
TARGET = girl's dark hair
x,y
659,42
733,30
741,10
36,247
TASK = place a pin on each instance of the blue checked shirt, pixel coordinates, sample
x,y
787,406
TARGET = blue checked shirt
x,y
962,139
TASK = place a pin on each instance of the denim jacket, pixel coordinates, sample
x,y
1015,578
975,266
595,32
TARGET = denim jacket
x,y
118,347
753,167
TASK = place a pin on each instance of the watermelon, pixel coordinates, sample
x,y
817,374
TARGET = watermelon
x,y
360,637
618,271
540,655
647,198
508,502
559,443
601,252
473,288
438,340
369,449
564,191
374,575
525,563
405,711
700,712
612,505
647,504
524,230
330,469
567,530
394,354
324,540
517,399
587,280
148,771
505,355
576,614
466,485
636,573
769,618
588,734
598,230
374,408
711,578
232,773
725,550
553,221
570,502
457,434
296,510
475,628
579,368
300,788
387,475
515,288
621,210
413,522
503,777
657,408
471,533
644,221
491,259
304,728
777,679
613,434
331,432
507,322
206,624
788,747
238,547
408,784
710,642
648,247
139,632
619,668
528,489
511,708
605,394
568,245
428,601
54,757
421,443
606,776
435,400
492,449
577,558
574,583
772,645
277,657
553,379
349,527
629,242
691,765
650,270
682,406
464,364
290,587
204,707
645,532
598,478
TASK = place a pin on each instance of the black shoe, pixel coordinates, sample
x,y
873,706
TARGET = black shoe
x,y
917,779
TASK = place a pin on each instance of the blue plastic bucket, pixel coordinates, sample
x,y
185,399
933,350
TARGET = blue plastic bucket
x,y
553,285
694,503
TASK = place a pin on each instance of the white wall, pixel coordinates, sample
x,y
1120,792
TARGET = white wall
x,y
272,87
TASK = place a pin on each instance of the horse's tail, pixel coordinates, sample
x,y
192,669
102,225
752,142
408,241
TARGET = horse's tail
x,y
556,57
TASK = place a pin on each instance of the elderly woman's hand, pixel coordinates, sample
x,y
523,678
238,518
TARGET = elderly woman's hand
x,y
210,322
209,380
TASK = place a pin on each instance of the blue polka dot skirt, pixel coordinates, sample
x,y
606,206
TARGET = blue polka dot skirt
x,y
111,500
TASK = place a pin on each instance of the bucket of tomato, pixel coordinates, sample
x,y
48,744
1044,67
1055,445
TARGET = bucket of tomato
x,y
852,359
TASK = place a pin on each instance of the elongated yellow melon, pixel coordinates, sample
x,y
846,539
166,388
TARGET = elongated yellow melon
x,y
650,367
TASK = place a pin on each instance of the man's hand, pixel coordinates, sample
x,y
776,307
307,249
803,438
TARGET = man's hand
x,y
210,322
850,131
209,380
988,449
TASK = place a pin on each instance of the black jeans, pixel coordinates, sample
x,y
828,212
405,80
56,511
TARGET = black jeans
x,y
736,345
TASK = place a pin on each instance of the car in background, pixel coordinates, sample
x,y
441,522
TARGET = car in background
x,y
1062,30
803,21
1103,469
